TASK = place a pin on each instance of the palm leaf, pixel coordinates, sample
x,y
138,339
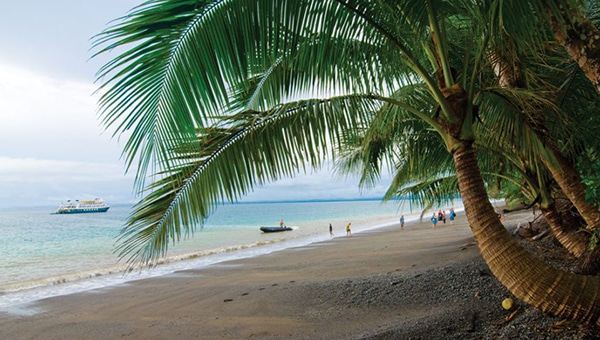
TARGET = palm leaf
x,y
255,147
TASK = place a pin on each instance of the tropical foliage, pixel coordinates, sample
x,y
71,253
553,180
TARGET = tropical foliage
x,y
219,96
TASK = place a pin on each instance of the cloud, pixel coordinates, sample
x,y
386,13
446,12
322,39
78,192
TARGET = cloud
x,y
44,116
40,170
41,182
314,185
52,148
51,144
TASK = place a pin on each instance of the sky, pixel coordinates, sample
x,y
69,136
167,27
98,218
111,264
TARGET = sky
x,y
52,145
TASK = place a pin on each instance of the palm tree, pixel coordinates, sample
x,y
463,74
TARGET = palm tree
x,y
395,138
511,71
221,95
573,25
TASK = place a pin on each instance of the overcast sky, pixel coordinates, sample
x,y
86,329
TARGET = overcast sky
x,y
52,147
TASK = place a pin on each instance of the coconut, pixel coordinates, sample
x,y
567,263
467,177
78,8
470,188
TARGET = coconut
x,y
507,303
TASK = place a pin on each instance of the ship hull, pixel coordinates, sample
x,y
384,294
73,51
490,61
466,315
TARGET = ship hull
x,y
82,210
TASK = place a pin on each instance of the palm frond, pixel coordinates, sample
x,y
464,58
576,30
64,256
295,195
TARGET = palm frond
x,y
250,148
219,96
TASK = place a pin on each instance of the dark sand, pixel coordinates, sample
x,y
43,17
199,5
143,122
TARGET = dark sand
x,y
416,283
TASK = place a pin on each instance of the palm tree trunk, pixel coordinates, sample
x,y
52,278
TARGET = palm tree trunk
x,y
562,294
569,181
566,228
564,173
581,39
573,241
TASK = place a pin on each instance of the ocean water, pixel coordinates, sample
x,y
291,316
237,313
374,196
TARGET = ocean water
x,y
45,255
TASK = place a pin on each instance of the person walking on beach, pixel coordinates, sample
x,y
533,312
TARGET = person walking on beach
x,y
348,231
434,220
452,216
330,230
402,222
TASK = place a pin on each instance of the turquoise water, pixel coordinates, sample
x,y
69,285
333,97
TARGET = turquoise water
x,y
46,255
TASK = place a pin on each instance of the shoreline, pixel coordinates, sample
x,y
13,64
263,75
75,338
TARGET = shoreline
x,y
181,257
384,283
86,255
105,278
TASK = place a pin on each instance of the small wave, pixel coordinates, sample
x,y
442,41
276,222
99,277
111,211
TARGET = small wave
x,y
62,279
29,291
209,252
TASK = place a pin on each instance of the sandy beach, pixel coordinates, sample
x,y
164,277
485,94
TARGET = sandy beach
x,y
416,283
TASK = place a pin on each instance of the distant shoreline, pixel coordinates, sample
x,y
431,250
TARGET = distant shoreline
x,y
367,199
333,200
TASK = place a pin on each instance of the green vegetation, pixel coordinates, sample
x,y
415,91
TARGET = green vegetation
x,y
478,98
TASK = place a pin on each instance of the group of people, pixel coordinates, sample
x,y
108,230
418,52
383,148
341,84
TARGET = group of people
x,y
436,217
440,216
